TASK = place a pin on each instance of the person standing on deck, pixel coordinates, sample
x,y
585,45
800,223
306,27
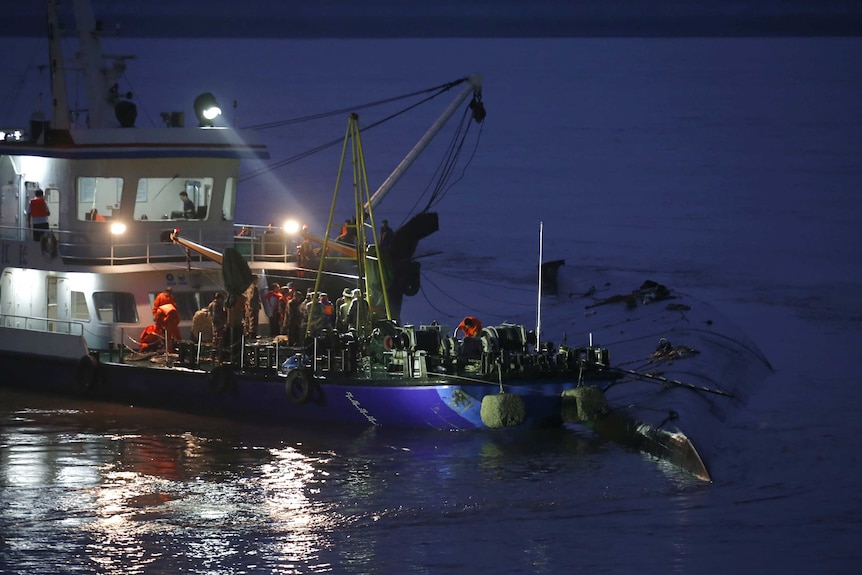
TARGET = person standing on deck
x,y
37,215
252,309
294,318
342,306
162,298
167,320
219,319
471,326
328,311
235,315
359,314
273,304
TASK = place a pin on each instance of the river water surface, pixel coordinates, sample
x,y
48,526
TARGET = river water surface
x,y
727,168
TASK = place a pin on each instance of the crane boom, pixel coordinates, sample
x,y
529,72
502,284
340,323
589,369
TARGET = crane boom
x,y
474,86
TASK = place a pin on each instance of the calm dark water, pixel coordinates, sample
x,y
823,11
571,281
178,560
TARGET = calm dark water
x,y
97,488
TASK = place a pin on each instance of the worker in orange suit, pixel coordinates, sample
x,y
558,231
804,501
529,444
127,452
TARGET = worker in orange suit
x,y
165,297
471,326
168,321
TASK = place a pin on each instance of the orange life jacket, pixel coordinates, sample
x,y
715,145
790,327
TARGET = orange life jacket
x,y
472,330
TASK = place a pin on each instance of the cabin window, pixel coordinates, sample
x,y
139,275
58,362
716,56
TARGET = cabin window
x,y
159,198
227,210
115,307
98,198
80,311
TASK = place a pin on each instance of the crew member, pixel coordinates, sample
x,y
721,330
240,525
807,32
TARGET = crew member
x,y
272,304
168,321
37,215
188,205
219,319
150,339
471,326
165,297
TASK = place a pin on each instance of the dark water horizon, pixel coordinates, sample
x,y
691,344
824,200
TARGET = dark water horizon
x,y
455,19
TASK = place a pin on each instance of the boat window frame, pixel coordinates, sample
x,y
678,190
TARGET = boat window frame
x,y
86,200
120,305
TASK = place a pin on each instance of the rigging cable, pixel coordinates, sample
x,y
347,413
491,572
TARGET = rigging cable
x,y
438,90
444,170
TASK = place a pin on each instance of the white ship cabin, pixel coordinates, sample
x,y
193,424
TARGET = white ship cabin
x,y
110,201
114,191
112,195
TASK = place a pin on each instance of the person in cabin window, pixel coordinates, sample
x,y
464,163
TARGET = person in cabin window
x,y
37,215
188,205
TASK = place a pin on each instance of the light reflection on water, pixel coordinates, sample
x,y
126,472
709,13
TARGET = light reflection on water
x,y
122,501
106,489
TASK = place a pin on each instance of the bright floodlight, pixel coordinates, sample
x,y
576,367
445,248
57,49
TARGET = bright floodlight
x,y
291,227
118,228
207,109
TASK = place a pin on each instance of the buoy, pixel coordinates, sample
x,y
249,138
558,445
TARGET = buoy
x,y
583,404
502,410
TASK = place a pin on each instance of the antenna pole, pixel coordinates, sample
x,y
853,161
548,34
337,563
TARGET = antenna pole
x,y
539,302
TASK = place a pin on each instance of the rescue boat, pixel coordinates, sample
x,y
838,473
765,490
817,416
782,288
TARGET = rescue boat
x,y
75,298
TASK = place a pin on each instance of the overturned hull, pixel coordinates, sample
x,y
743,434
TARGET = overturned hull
x,y
683,367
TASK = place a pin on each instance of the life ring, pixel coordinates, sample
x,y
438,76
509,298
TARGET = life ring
x,y
298,386
90,372
222,380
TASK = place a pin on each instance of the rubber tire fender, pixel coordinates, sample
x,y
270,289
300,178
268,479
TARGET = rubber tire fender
x,y
298,386
221,380
90,372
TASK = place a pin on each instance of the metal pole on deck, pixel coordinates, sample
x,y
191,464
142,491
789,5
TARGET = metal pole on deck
x,y
539,302
198,355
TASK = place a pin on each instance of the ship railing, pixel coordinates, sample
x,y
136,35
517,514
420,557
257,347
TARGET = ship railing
x,y
265,243
255,243
42,324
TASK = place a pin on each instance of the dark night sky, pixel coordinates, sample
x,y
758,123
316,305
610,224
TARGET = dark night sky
x,y
456,18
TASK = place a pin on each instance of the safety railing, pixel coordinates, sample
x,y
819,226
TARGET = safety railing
x,y
42,324
255,243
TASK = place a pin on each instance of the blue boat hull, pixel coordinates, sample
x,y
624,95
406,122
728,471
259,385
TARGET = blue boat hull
x,y
264,397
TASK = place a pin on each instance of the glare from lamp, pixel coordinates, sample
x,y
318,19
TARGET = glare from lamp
x,y
207,109
118,228
291,227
